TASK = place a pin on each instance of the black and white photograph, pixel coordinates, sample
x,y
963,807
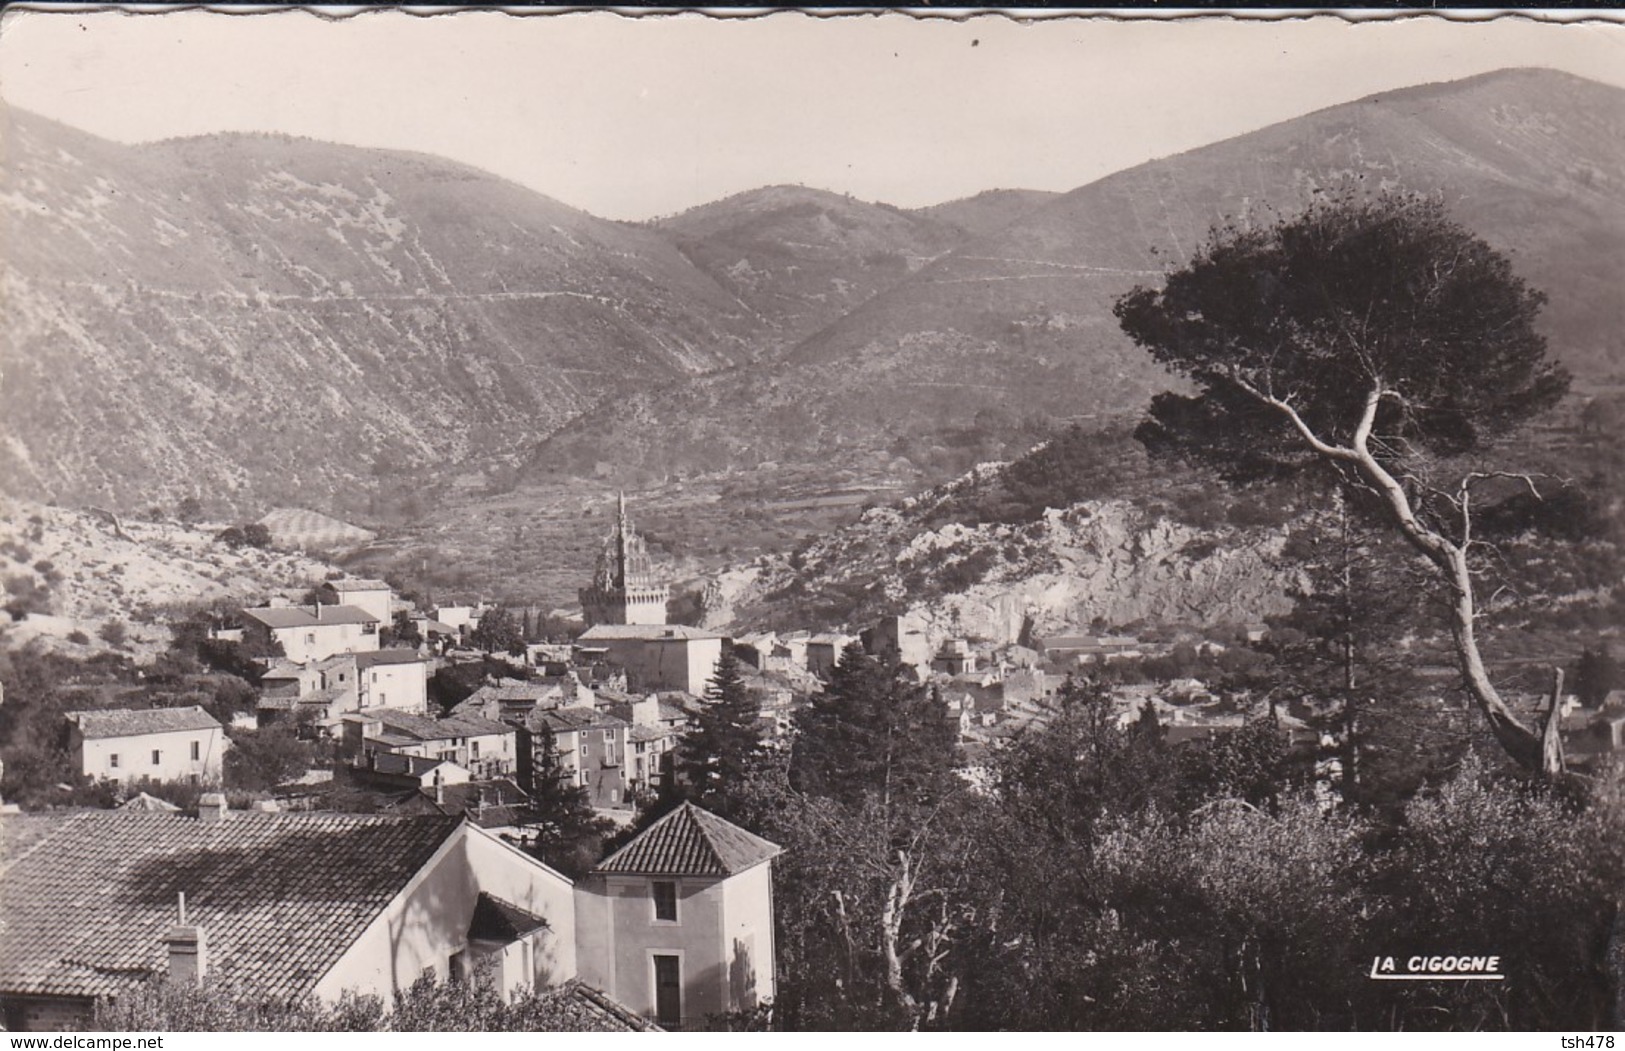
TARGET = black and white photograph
x,y
795,521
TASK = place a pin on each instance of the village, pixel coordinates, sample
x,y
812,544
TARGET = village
x,y
347,665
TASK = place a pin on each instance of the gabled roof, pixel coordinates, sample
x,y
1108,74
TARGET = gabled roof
x,y
500,921
569,720
356,584
372,658
127,722
142,801
278,617
280,896
414,727
608,632
690,842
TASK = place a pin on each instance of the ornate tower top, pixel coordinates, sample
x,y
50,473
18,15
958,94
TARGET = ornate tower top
x,y
623,561
626,588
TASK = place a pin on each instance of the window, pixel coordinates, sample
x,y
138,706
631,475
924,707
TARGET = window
x,y
112,761
583,750
310,639
665,899
474,749
197,751
196,780
642,747
369,628
157,757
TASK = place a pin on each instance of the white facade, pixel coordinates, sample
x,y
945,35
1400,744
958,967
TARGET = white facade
x,y
194,754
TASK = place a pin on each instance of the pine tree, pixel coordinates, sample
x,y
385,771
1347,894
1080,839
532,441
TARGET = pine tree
x,y
527,629
722,747
873,732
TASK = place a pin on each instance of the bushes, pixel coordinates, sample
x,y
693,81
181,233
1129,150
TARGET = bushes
x,y
471,1006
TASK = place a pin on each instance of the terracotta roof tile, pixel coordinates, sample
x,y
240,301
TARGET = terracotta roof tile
x,y
690,842
127,722
85,904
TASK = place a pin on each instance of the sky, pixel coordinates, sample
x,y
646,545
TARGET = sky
x,y
631,117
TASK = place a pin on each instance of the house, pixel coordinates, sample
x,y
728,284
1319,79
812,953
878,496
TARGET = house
x,y
371,596
899,638
589,746
675,925
658,656
824,652
311,633
486,749
955,658
395,771
283,905
497,805
394,678
1083,648
690,904
153,744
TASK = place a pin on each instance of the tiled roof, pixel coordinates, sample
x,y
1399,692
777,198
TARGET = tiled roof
x,y
607,632
501,921
280,896
356,584
300,617
390,656
650,733
690,842
564,720
142,801
411,726
127,722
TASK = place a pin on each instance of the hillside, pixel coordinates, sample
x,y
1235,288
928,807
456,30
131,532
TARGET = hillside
x,y
988,212
75,572
1113,561
800,258
261,319
1018,324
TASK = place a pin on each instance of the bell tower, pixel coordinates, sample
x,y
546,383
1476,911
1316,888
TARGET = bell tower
x,y
625,588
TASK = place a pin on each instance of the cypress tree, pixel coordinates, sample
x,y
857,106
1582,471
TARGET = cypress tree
x,y
724,743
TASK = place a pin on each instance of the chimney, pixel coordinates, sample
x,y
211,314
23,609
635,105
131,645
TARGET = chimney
x,y
211,809
318,611
267,806
439,790
188,950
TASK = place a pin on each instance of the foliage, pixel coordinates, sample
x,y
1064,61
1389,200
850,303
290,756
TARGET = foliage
x,y
113,632
404,630
262,759
497,631
724,740
1361,342
452,684
562,829
428,1006
873,730
1596,674
1354,299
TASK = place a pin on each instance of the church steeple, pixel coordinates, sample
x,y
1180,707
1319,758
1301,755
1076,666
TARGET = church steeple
x,y
625,588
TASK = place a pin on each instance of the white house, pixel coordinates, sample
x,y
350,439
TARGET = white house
x,y
312,633
676,925
372,596
155,744
658,656
690,905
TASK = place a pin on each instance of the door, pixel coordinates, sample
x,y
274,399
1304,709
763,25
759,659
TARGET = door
x,y
668,992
